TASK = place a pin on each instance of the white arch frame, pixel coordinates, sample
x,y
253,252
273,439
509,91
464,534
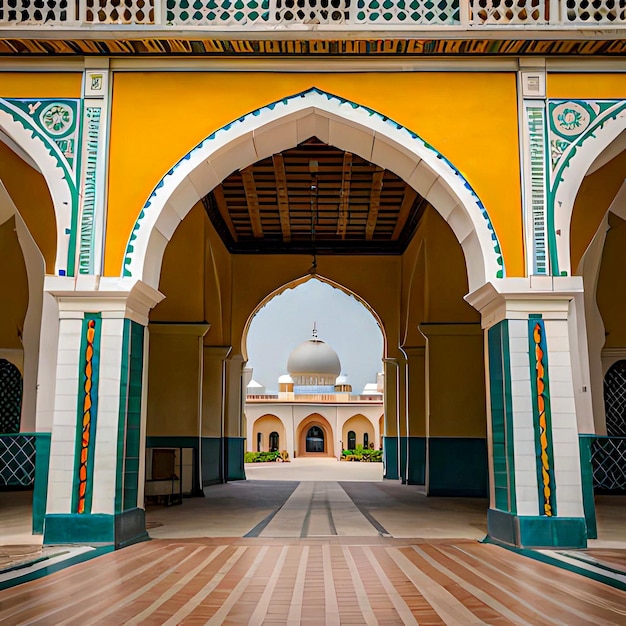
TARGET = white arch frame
x,y
55,177
293,284
31,333
335,121
602,132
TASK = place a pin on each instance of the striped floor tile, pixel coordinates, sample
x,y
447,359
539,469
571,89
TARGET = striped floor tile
x,y
370,580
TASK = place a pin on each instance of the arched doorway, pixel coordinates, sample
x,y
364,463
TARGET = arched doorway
x,y
314,440
315,437
382,280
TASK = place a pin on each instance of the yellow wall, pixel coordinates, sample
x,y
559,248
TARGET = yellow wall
x,y
13,287
456,381
448,110
29,192
592,86
596,194
173,392
40,85
611,294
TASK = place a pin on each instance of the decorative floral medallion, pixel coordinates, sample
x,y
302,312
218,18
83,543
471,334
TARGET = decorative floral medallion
x,y
57,118
570,119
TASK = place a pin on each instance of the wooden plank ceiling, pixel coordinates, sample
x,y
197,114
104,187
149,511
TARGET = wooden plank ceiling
x,y
315,199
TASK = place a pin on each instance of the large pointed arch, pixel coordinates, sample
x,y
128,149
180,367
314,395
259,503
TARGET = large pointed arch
x,y
22,133
339,122
296,283
580,132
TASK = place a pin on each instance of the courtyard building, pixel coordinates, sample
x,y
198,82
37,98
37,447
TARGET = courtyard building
x,y
314,412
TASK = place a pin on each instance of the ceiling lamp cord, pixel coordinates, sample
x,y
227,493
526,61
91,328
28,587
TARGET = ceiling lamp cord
x,y
313,166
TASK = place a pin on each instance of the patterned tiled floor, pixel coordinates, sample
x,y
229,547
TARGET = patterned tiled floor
x,y
312,581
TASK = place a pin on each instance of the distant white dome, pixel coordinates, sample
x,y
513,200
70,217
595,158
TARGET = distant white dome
x,y
285,379
314,357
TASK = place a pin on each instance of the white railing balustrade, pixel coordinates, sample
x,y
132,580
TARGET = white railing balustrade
x,y
594,11
274,14
496,12
117,11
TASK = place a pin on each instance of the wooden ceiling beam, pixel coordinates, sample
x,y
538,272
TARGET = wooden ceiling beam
x,y
403,215
344,201
222,207
372,216
252,199
283,196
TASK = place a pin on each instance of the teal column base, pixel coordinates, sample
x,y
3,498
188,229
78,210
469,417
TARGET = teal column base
x,y
390,458
98,529
235,447
40,493
416,463
457,467
586,470
536,531
211,464
404,453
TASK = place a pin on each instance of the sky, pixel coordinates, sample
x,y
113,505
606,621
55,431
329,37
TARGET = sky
x,y
342,322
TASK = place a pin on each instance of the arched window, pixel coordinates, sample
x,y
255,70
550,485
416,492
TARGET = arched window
x,y
615,399
351,440
274,441
10,398
315,440
366,441
259,442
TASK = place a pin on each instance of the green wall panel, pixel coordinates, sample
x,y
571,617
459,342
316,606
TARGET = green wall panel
x,y
457,466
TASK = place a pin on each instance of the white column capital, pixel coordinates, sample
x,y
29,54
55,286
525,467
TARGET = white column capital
x,y
113,297
517,298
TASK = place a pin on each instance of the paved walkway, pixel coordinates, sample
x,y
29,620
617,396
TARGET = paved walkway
x,y
333,550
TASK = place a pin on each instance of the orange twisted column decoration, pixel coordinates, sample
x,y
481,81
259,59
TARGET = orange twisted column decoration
x,y
543,424
84,449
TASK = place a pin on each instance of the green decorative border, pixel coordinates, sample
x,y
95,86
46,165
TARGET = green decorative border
x,y
586,471
92,117
537,362
40,492
537,183
571,124
82,377
503,442
62,143
129,422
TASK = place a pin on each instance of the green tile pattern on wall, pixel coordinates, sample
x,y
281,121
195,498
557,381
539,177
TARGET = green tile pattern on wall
x,y
211,455
390,458
585,442
501,417
40,493
416,466
129,421
235,448
133,416
457,466
536,531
